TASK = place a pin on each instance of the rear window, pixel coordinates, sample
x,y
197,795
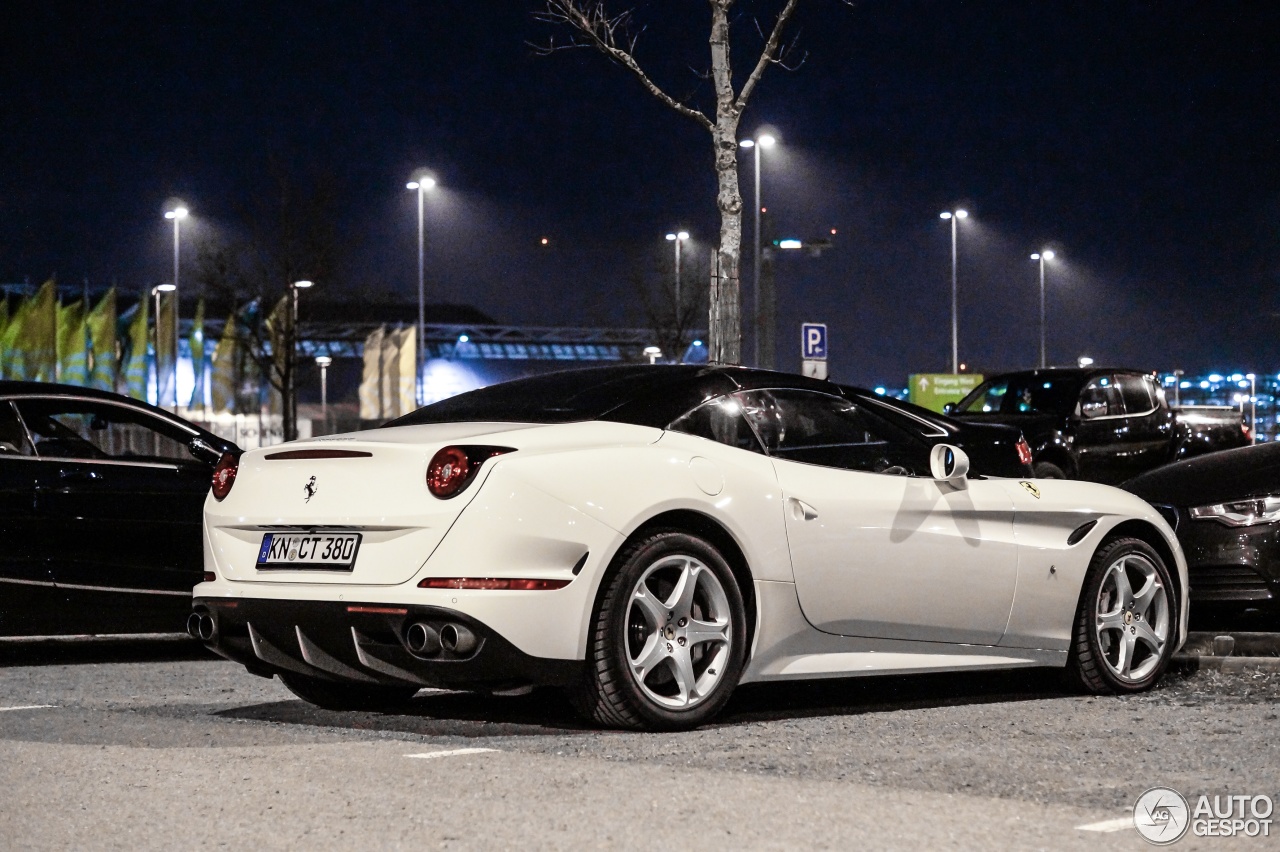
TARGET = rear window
x,y
567,397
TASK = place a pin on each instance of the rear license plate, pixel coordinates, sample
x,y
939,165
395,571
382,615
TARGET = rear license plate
x,y
308,551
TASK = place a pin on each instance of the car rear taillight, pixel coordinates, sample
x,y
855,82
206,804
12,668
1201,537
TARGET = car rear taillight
x,y
452,468
1248,436
1024,451
224,475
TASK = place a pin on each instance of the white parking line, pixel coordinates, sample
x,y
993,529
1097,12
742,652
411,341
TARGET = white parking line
x,y
1108,825
451,752
28,707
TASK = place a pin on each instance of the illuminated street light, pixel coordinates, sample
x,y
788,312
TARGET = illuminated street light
x,y
678,238
323,362
177,213
764,140
423,184
955,320
1042,256
654,353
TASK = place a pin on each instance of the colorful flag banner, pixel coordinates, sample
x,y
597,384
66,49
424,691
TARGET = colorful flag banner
x,y
371,376
101,325
407,358
134,364
165,352
225,378
196,342
73,350
34,352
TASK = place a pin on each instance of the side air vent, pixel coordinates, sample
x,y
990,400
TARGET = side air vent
x,y
1078,534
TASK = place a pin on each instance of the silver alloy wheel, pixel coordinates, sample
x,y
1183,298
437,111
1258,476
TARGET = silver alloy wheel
x,y
1133,626
678,632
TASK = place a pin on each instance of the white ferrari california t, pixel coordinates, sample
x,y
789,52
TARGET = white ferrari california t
x,y
649,537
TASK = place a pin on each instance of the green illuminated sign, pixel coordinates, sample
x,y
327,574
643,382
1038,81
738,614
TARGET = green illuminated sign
x,y
935,390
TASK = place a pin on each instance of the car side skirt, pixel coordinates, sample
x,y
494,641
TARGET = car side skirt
x,y
788,647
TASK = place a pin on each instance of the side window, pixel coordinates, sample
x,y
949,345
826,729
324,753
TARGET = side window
x,y
719,420
86,429
13,438
1136,391
1101,398
989,399
815,428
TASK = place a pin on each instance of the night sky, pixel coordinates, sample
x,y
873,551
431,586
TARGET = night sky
x,y
1139,140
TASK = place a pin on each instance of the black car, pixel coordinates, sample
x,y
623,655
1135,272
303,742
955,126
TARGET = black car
x,y
100,511
1225,508
1103,424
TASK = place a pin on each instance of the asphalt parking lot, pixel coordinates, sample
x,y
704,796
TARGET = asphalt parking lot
x,y
158,746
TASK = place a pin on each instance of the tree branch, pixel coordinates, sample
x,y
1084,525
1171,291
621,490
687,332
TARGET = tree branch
x,y
612,37
768,55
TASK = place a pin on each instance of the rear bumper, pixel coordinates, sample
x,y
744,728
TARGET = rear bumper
x,y
366,643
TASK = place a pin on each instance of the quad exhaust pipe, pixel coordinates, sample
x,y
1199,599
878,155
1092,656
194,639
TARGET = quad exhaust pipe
x,y
457,639
422,639
201,626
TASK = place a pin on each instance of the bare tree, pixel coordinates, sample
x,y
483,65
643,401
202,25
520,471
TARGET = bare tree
x,y
289,233
615,36
675,315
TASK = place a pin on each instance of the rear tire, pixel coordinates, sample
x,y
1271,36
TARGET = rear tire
x,y
332,695
668,638
1049,470
1127,621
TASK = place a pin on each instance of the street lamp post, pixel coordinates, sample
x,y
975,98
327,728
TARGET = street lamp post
x,y
1042,256
764,140
291,363
323,362
954,215
177,214
423,184
678,238
155,294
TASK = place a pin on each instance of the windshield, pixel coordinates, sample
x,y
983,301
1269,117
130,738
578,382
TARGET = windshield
x,y
1023,395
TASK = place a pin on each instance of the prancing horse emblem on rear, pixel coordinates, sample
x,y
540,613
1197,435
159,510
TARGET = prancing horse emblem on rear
x,y
311,488
1031,489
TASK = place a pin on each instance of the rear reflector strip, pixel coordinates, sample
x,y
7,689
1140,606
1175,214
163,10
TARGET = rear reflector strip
x,y
381,610
318,454
519,585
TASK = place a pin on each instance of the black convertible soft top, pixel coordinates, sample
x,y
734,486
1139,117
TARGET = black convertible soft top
x,y
643,394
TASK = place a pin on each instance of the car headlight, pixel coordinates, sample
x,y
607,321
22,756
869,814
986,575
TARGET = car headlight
x,y
1241,513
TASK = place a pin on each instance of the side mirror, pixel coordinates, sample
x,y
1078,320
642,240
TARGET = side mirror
x,y
204,451
948,408
949,464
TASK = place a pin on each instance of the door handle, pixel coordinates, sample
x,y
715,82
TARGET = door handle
x,y
802,511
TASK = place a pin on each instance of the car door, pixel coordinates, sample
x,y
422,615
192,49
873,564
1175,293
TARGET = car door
x,y
1101,431
1148,433
26,593
118,501
878,547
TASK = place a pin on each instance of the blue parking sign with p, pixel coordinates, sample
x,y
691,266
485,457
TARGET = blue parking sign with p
x,y
813,341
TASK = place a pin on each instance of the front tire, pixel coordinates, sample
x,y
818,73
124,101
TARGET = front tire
x,y
331,695
668,640
1126,624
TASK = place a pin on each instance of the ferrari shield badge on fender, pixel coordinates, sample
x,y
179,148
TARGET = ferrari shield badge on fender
x,y
311,488
1031,488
